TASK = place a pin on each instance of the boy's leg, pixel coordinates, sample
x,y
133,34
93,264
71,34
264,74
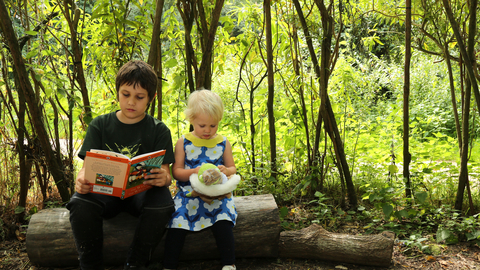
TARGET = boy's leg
x,y
86,218
173,247
154,212
223,233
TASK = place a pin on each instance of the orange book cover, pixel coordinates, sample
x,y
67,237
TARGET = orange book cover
x,y
117,175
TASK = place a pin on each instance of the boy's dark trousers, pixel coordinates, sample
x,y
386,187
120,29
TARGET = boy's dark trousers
x,y
87,212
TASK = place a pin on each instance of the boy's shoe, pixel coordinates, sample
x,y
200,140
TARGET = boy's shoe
x,y
229,267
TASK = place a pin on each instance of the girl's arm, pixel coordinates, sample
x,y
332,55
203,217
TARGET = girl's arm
x,y
178,169
229,164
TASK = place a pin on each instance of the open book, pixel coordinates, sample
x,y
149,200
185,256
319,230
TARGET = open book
x,y
117,175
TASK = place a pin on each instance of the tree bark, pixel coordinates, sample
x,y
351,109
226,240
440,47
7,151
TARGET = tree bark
x,y
257,234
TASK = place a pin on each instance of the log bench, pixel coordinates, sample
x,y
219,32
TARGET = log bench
x,y
50,241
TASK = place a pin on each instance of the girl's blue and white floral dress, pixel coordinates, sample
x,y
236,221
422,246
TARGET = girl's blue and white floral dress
x,y
192,213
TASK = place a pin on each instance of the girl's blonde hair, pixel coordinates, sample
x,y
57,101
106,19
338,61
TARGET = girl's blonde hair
x,y
204,101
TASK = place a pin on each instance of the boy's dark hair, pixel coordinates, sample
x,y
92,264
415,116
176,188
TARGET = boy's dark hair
x,y
137,72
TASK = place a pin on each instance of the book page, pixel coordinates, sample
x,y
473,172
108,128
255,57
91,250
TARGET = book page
x,y
141,166
152,154
105,172
110,153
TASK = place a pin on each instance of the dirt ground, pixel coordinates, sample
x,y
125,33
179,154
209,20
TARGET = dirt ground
x,y
13,255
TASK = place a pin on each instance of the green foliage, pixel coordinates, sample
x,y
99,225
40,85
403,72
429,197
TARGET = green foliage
x,y
416,241
322,210
365,89
455,228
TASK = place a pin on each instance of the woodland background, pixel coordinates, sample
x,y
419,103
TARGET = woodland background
x,y
358,111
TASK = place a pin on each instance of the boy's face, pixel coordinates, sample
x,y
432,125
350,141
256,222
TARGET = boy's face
x,y
204,127
133,103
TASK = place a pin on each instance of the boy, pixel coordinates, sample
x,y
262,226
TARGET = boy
x,y
132,132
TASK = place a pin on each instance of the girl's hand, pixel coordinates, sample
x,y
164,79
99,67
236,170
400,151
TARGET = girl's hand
x,y
159,177
224,170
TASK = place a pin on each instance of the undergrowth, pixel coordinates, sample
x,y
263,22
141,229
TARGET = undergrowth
x,y
419,225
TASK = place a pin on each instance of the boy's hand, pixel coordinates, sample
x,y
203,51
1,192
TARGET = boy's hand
x,y
81,184
159,177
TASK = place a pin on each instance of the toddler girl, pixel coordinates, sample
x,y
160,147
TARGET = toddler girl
x,y
203,145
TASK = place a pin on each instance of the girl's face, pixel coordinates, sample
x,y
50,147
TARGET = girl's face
x,y
204,127
133,103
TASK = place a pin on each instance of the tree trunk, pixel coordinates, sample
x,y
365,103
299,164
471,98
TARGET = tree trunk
x,y
326,113
25,166
472,30
186,10
204,76
451,80
271,89
72,16
155,56
471,83
257,234
406,99
25,88
301,91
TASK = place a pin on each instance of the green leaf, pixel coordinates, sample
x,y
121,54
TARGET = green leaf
x,y
387,210
392,168
412,212
283,212
401,214
31,33
31,54
19,210
472,236
421,196
171,63
427,170
447,236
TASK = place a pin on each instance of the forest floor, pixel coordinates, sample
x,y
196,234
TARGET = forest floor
x,y
13,256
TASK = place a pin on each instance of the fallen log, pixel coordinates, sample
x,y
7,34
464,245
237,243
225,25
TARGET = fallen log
x,y
50,239
314,242
257,234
